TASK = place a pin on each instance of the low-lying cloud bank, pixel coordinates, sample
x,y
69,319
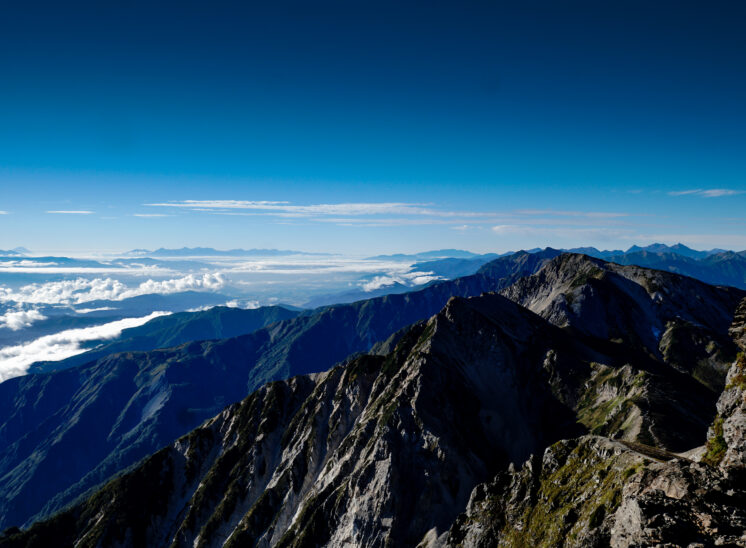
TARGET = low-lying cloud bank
x,y
410,279
18,319
83,290
15,360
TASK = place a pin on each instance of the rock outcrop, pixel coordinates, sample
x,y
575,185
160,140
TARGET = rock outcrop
x,y
598,492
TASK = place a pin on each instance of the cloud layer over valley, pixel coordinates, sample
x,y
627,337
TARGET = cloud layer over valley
x,y
14,360
83,290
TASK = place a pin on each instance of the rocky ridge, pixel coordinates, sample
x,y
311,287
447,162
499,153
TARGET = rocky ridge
x,y
594,491
423,445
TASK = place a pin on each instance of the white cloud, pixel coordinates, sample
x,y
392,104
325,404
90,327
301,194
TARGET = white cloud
x,y
422,278
245,304
579,235
14,360
38,267
18,319
507,229
562,213
70,212
150,215
3,212
707,193
378,282
382,214
89,310
287,209
409,279
83,290
27,264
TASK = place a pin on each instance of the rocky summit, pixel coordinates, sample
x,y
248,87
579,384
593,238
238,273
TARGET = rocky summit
x,y
587,404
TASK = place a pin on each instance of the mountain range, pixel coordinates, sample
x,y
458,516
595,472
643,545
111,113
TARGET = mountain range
x,y
123,407
218,322
715,266
577,402
18,252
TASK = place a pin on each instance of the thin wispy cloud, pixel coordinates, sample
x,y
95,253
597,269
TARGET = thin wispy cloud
x,y
579,234
151,215
288,209
3,212
707,193
70,212
389,214
397,221
560,213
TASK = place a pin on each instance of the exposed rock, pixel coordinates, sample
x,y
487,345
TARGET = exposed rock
x,y
681,503
597,492
563,498
726,440
678,319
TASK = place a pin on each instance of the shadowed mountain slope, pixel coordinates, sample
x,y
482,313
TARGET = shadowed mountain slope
x,y
219,322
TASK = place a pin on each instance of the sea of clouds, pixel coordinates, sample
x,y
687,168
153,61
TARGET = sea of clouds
x,y
14,360
58,290
81,290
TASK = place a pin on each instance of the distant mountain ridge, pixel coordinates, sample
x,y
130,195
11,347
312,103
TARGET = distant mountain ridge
x,y
436,254
219,322
488,424
678,249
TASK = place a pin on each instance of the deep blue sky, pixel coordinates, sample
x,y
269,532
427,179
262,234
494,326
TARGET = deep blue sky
x,y
519,124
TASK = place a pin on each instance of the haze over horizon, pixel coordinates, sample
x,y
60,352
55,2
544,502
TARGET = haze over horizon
x,y
365,128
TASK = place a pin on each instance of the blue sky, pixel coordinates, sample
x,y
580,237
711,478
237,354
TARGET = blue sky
x,y
372,126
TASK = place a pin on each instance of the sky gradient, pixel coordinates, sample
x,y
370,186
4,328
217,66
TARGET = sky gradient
x,y
371,127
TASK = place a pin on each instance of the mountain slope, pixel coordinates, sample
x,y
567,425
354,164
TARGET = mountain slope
x,y
389,450
672,318
378,451
125,406
595,492
215,323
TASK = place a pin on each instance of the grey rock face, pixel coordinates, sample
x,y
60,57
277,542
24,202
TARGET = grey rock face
x,y
680,503
731,419
597,492
726,440
679,319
